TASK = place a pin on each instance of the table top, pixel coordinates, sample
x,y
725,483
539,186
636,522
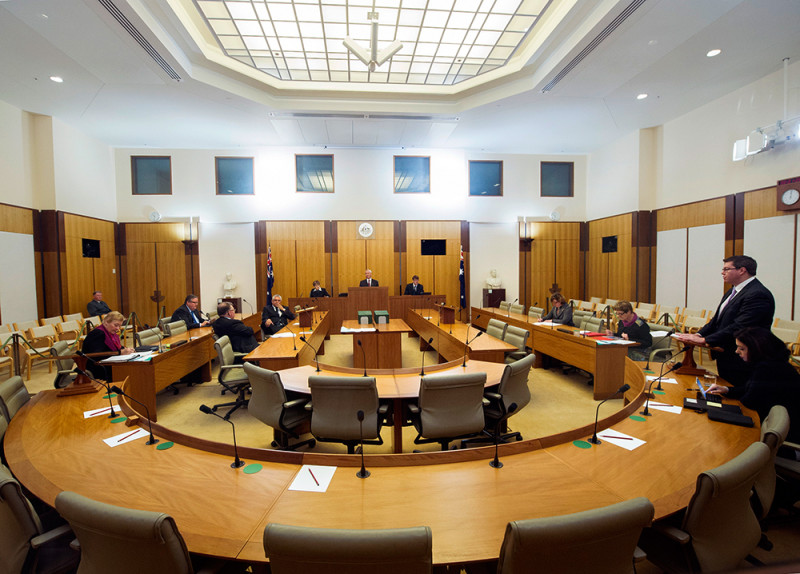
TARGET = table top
x,y
464,332
283,344
393,326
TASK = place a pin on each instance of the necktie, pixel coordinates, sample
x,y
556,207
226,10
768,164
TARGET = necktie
x,y
728,300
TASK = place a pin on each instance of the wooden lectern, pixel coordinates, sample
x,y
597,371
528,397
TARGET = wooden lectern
x,y
306,317
447,315
689,367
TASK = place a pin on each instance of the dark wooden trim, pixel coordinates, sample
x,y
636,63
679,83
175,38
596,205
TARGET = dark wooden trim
x,y
465,239
738,222
584,236
260,237
399,236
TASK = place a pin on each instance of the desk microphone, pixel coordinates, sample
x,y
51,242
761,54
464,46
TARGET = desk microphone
x,y
252,311
422,372
496,462
622,389
237,463
303,338
466,346
294,337
508,311
646,412
103,383
363,354
153,440
363,473
678,366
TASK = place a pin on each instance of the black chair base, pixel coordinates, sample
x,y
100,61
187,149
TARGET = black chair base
x,y
489,438
241,400
285,445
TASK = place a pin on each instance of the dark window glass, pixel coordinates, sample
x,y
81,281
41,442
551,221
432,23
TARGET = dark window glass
x,y
314,173
557,179
412,174
151,175
234,175
485,178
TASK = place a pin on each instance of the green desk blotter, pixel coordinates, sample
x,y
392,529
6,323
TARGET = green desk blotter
x,y
121,419
582,444
111,396
165,445
657,392
637,418
252,468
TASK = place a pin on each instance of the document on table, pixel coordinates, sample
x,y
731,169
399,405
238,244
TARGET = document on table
x,y
98,412
620,439
313,478
133,357
654,377
666,408
127,436
360,330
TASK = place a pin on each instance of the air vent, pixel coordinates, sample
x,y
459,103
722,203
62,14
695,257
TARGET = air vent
x,y
140,39
365,117
605,33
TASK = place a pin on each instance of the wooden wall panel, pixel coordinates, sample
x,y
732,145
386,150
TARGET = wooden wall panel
x,y
611,274
709,212
352,256
438,274
761,203
173,286
298,257
81,275
380,253
555,258
141,273
16,219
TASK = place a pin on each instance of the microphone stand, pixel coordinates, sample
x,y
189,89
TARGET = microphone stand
x,y
466,346
316,360
252,311
116,389
364,355
237,463
678,366
363,473
622,389
294,337
103,383
496,462
646,412
422,372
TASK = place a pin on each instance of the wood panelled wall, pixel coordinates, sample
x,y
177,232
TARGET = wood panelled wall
x,y
553,256
356,254
437,273
80,276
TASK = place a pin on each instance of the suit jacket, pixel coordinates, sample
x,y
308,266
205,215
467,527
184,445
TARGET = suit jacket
x,y
97,308
182,313
410,289
753,306
321,292
242,338
364,283
278,321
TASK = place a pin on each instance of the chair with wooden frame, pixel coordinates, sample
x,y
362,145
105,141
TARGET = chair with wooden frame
x,y
51,320
40,340
692,324
74,317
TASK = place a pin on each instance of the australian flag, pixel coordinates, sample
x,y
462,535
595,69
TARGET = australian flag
x,y
270,275
462,280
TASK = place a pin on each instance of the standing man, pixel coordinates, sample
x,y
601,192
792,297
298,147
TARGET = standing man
x,y
275,316
97,306
747,304
190,313
243,340
368,281
415,287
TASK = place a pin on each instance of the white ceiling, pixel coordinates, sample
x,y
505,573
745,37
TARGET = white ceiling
x,y
114,91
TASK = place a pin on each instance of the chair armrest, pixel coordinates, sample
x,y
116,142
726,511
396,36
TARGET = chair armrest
x,y
414,408
50,535
295,403
673,533
639,555
383,409
309,406
229,367
493,396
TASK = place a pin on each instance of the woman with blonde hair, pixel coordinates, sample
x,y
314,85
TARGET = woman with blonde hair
x,y
105,339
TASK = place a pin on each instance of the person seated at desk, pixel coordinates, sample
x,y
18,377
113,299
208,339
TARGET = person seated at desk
x,y
104,339
243,339
415,287
560,313
275,316
318,291
97,306
773,380
632,328
188,312
368,281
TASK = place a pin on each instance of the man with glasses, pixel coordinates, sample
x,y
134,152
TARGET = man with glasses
x,y
274,316
190,313
747,304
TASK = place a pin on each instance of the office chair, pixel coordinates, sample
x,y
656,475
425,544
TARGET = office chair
x,y
148,337
174,328
774,430
516,308
13,395
269,404
293,549
504,305
496,328
231,376
518,337
64,365
600,541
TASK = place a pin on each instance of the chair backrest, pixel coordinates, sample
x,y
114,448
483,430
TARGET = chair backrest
x,y
224,349
536,310
451,404
580,315
517,308
336,400
175,328
789,336
74,317
586,306
51,320
6,329
719,517
774,430
693,323
514,383
687,312
13,395
600,541
94,321
660,335
148,337
293,549
596,300
18,524
267,395
3,428
23,326
592,324
58,349
516,336
612,302
786,323
496,328
212,315
504,305
71,326
123,540
42,332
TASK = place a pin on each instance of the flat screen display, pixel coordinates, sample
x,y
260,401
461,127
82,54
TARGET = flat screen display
x,y
434,247
91,248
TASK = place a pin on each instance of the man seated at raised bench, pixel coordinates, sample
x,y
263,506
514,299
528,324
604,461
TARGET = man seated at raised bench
x,y
632,328
318,291
275,316
242,337
415,287
97,306
190,313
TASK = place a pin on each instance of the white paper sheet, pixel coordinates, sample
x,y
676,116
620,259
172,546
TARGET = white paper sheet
x,y
620,439
313,478
127,436
665,380
666,408
103,411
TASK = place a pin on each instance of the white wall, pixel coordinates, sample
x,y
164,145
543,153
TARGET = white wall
x,y
493,246
17,278
770,241
227,247
15,186
614,175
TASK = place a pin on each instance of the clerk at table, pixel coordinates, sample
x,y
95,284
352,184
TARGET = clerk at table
x,y
415,287
318,290
275,316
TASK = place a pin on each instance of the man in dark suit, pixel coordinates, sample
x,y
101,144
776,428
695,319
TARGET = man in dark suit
x,y
747,304
415,287
368,281
97,306
275,316
190,313
243,340
318,291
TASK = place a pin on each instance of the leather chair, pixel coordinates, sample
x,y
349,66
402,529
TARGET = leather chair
x,y
774,430
123,540
535,313
719,528
516,308
449,407
662,341
13,395
513,389
504,305
174,328
335,402
518,337
150,336
64,365
231,376
293,549
269,404
600,541
496,328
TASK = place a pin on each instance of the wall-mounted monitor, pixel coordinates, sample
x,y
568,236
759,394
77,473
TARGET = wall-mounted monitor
x,y
610,244
91,248
434,247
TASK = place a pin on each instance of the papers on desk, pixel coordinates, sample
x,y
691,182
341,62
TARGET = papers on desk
x,y
127,436
614,341
654,377
546,324
134,357
666,408
359,330
620,439
313,478
98,412
284,335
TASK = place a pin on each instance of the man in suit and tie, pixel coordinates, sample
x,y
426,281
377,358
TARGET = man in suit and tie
x,y
275,316
242,337
415,287
368,281
190,313
747,304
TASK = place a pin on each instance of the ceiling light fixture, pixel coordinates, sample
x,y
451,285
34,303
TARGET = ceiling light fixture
x,y
372,59
714,52
641,96
57,79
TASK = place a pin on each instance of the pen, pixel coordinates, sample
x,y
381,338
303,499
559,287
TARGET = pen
x,y
312,476
661,404
129,435
617,437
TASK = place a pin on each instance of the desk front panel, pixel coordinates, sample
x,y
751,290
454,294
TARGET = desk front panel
x,y
278,353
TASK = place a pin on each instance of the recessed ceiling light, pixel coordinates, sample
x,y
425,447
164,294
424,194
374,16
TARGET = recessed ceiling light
x,y
57,79
652,42
714,52
641,96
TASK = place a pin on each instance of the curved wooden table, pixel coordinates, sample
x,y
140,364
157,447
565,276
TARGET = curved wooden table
x,y
222,512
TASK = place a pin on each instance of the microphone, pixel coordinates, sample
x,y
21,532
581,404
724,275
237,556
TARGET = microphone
x,y
103,383
363,354
363,473
677,366
496,462
294,337
622,389
646,412
237,463
153,440
422,372
466,346
303,338
508,311
252,311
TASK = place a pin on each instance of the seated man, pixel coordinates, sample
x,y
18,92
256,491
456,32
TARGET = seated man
x,y
415,287
275,316
97,306
190,313
368,281
318,291
242,338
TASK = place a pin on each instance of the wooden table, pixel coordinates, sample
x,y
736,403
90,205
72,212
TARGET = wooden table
x,y
382,344
277,353
450,340
222,512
